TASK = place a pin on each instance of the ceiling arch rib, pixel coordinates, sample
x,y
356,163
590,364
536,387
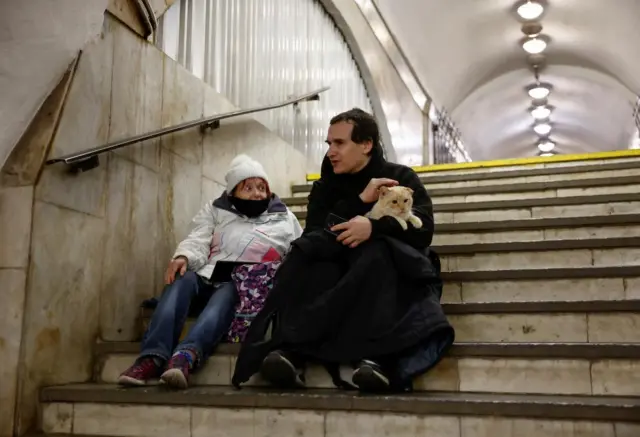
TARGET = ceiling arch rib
x,y
468,54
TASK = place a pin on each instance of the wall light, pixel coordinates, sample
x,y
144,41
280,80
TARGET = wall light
x,y
534,45
530,10
546,146
539,92
547,154
542,129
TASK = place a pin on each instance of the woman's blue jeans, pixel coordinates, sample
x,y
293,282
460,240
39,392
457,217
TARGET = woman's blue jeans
x,y
219,300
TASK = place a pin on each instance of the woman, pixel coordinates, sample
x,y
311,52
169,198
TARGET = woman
x,y
360,295
246,224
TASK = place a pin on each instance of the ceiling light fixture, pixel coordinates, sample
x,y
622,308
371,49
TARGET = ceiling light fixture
x,y
547,154
546,146
534,45
530,10
539,92
541,112
542,129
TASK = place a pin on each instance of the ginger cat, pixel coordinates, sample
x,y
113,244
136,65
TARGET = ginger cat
x,y
396,202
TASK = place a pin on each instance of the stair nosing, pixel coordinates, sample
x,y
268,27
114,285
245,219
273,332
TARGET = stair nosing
x,y
538,246
623,409
540,274
458,350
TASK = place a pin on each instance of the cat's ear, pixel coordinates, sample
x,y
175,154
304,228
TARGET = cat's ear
x,y
384,190
409,190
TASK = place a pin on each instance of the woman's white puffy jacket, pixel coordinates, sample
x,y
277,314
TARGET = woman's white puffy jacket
x,y
220,233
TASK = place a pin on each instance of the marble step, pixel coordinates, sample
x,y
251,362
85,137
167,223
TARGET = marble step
x,y
504,189
597,321
538,255
519,209
607,221
556,368
539,173
89,409
512,231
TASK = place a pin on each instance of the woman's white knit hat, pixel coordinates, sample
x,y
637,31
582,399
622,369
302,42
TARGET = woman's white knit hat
x,y
243,167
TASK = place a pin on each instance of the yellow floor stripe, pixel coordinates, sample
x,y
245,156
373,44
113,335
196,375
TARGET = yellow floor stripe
x,y
516,161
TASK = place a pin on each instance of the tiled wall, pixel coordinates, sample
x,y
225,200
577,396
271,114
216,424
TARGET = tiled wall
x,y
79,252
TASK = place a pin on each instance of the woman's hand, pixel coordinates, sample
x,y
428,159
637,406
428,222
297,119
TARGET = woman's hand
x,y
175,265
372,191
354,232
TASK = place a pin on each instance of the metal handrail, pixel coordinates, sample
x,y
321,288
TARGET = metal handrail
x,y
207,122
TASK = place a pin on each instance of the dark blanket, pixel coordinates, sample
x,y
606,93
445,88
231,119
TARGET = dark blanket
x,y
380,300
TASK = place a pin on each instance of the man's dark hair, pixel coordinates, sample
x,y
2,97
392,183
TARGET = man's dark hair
x,y
365,128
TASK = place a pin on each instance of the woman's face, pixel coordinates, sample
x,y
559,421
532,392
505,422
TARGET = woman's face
x,y
251,189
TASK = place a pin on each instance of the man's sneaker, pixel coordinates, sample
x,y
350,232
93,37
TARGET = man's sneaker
x,y
279,369
177,373
368,376
142,370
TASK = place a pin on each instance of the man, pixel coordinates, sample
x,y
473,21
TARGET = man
x,y
366,300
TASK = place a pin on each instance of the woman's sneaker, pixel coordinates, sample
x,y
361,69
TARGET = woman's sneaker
x,y
369,377
279,369
177,373
142,371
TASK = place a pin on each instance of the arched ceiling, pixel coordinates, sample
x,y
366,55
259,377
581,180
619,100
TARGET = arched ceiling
x,y
468,56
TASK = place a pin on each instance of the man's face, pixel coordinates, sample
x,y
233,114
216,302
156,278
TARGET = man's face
x,y
345,155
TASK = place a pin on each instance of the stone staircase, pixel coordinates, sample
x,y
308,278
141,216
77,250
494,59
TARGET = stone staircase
x,y
542,272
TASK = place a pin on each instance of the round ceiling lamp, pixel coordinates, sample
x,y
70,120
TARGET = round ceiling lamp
x,y
539,92
534,45
530,10
542,129
546,146
541,112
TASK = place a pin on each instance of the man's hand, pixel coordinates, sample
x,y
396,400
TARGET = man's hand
x,y
354,232
372,191
178,264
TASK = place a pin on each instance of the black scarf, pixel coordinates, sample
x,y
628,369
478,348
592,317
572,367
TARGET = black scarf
x,y
250,208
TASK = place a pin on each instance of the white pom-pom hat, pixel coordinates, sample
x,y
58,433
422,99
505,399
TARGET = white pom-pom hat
x,y
244,167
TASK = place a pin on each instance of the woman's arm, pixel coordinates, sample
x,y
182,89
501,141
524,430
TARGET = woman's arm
x,y
422,207
295,224
196,247
319,207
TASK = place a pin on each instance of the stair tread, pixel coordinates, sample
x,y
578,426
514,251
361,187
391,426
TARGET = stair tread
x,y
500,188
492,173
461,349
539,223
573,306
524,203
541,274
460,403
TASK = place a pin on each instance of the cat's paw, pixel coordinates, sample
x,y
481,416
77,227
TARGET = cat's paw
x,y
403,223
415,221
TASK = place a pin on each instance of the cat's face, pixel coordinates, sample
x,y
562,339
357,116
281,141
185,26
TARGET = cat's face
x,y
398,200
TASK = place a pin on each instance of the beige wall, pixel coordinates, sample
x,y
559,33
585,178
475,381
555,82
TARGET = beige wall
x,y
79,252
401,118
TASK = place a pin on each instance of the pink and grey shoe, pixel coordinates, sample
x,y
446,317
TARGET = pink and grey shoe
x,y
142,371
177,373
